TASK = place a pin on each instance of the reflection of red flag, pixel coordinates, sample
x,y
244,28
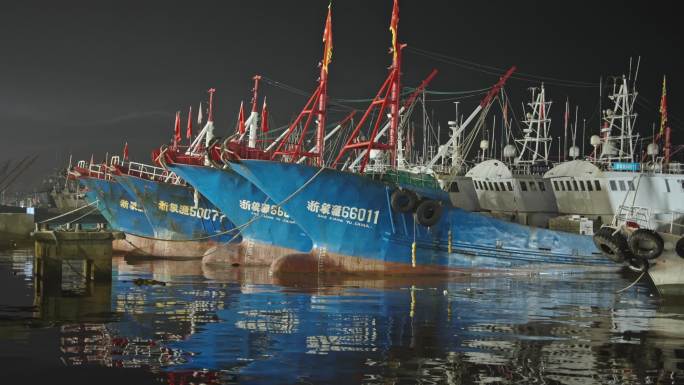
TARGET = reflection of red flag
x,y
177,128
264,117
394,26
125,151
327,39
188,132
241,119
663,109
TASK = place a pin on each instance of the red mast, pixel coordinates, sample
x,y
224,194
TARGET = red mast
x,y
315,106
386,98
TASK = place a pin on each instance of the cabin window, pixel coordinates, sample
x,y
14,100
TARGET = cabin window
x,y
574,185
479,185
622,185
562,186
491,188
589,186
453,187
510,186
667,185
484,184
630,184
555,185
567,185
496,186
597,185
503,186
541,186
581,183
533,187
613,185
682,182
523,185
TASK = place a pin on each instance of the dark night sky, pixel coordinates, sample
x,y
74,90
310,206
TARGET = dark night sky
x,y
84,77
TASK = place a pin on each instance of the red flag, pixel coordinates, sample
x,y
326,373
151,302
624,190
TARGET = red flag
x,y
125,151
327,39
188,132
91,159
567,114
177,129
394,27
264,117
663,110
241,119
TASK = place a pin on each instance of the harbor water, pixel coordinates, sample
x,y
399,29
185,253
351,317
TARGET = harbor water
x,y
182,322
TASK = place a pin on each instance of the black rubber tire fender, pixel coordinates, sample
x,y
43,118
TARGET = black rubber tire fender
x,y
403,201
640,237
429,212
613,246
679,247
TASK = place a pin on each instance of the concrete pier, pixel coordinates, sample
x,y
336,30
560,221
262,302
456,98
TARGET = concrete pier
x,y
54,248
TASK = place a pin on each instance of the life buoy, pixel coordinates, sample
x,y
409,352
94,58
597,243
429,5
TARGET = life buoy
x,y
403,200
679,247
429,212
637,264
614,246
646,244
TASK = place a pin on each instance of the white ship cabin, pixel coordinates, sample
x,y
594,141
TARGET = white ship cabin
x,y
581,187
528,194
461,191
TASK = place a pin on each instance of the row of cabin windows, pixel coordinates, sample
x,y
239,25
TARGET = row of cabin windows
x,y
623,186
575,185
508,186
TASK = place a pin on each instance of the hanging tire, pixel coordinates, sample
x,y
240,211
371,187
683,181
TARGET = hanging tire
x,y
403,201
646,244
679,247
638,265
614,246
429,212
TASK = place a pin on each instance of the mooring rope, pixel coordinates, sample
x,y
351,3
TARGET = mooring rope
x,y
70,212
79,218
632,284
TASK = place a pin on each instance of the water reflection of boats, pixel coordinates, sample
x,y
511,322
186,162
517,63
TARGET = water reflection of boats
x,y
244,325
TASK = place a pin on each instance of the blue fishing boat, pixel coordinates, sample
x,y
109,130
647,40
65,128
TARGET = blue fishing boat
x,y
362,224
177,213
267,230
122,212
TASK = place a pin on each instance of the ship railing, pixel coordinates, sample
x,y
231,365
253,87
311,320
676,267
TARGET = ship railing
x,y
154,173
645,218
99,171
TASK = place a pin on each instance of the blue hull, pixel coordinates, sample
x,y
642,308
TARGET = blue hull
x,y
171,211
247,207
350,220
119,208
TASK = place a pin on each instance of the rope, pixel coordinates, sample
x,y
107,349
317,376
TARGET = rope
x,y
495,71
70,212
632,284
79,218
